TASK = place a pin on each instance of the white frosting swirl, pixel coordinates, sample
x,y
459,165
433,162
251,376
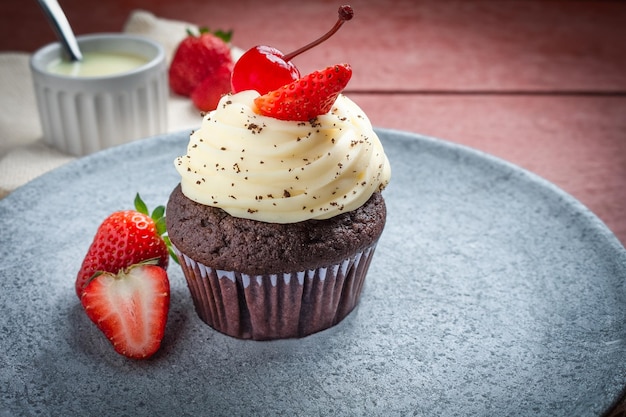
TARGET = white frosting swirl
x,y
262,168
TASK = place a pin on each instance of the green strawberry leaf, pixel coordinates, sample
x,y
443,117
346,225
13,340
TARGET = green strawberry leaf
x,y
226,36
140,206
160,226
168,243
158,213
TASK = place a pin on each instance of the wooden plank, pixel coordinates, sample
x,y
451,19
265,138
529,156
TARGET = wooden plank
x,y
400,45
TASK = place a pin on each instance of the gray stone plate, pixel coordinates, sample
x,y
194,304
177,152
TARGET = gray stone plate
x,y
492,292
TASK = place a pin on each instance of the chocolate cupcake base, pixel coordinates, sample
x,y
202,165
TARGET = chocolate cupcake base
x,y
276,306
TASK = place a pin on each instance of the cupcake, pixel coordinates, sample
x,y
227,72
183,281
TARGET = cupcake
x,y
275,222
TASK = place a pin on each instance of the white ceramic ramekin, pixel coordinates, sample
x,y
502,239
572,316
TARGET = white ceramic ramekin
x,y
81,115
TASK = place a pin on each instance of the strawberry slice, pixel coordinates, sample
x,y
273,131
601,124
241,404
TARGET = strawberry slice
x,y
125,238
308,97
130,308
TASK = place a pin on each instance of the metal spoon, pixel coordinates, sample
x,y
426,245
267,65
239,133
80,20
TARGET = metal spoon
x,y
61,27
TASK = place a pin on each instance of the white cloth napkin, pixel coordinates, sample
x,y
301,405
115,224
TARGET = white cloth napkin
x,y
23,155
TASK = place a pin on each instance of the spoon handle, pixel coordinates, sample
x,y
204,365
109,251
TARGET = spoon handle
x,y
61,26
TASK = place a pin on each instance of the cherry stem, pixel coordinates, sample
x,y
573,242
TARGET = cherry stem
x,y
345,13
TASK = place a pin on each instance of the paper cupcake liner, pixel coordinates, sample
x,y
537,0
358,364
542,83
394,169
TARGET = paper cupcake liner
x,y
276,306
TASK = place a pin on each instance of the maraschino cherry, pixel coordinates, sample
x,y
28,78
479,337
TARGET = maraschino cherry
x,y
263,68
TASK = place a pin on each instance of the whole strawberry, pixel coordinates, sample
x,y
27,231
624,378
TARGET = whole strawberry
x,y
130,308
196,58
208,93
125,238
307,97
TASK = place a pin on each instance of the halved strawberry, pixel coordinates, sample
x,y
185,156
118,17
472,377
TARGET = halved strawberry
x,y
130,308
308,97
123,239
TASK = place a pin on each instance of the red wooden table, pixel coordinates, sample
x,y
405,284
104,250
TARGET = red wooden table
x,y
541,84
